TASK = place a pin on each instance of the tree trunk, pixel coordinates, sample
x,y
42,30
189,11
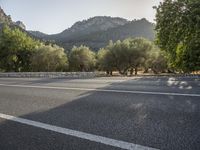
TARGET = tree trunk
x,y
170,71
82,68
120,72
146,70
107,72
131,71
136,70
154,71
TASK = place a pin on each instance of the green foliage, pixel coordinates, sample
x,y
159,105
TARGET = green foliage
x,y
156,61
102,60
82,59
105,61
118,52
49,58
16,49
139,49
124,55
20,53
178,33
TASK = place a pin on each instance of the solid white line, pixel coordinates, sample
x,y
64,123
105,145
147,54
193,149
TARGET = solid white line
x,y
101,90
74,133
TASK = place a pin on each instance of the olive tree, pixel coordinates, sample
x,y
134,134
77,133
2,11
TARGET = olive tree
x,y
16,49
82,59
138,52
49,58
156,61
105,61
128,54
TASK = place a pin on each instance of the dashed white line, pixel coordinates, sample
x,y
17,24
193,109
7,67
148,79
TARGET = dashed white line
x,y
78,134
102,90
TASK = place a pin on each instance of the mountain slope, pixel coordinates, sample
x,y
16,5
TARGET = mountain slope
x,y
96,40
6,19
39,34
97,31
138,28
90,26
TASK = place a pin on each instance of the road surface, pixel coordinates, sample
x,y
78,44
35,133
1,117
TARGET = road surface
x,y
100,113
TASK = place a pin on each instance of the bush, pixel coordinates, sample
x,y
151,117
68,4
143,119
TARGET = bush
x,y
82,59
49,58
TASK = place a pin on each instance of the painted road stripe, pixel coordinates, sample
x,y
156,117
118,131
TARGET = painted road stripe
x,y
101,90
78,134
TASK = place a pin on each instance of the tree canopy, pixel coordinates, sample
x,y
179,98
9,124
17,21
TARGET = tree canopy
x,y
82,59
178,33
125,55
21,53
16,48
49,58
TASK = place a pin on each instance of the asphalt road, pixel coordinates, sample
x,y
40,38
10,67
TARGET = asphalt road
x,y
154,112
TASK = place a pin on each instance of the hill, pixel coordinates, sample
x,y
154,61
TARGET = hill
x,y
97,31
6,19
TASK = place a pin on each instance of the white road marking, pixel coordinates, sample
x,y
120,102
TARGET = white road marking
x,y
101,90
78,134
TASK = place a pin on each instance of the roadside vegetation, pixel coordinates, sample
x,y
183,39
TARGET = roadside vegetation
x,y
82,59
21,53
176,48
178,33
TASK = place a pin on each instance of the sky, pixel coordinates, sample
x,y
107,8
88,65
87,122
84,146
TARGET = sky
x,y
54,16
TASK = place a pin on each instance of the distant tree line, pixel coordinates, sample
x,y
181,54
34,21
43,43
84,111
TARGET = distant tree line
x,y
21,53
131,54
